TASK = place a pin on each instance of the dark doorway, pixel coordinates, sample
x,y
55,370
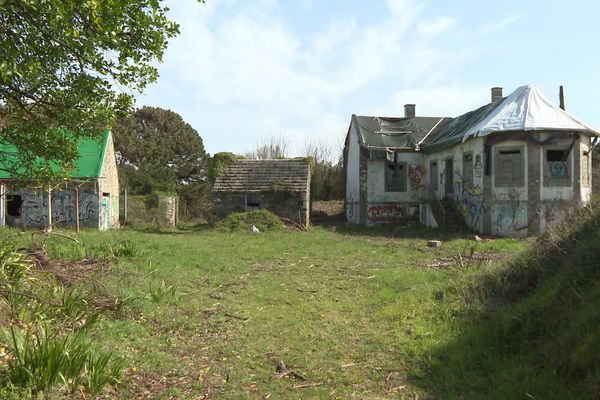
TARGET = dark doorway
x,y
449,178
13,205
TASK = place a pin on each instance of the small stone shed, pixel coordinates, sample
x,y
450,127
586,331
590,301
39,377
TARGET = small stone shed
x,y
280,186
89,198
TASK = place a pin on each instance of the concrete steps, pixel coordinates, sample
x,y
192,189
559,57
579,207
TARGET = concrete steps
x,y
454,219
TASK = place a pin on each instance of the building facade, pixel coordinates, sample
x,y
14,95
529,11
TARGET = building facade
x,y
89,198
511,168
280,186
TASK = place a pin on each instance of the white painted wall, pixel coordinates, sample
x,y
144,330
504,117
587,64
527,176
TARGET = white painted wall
x,y
352,176
384,207
586,190
468,195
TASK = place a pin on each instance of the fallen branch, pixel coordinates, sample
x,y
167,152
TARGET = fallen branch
x,y
236,317
305,385
295,224
307,290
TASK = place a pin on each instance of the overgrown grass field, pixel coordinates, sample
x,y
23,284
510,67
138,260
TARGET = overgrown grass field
x,y
330,313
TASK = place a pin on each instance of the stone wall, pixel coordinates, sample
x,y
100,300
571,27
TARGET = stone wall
x,y
157,210
290,205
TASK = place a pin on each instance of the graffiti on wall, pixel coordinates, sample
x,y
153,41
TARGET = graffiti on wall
x,y
478,167
471,200
415,175
34,209
385,213
510,217
558,169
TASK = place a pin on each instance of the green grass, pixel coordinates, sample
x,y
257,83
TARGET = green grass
x,y
357,313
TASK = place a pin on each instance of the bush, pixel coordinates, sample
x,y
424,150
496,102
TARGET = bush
x,y
262,219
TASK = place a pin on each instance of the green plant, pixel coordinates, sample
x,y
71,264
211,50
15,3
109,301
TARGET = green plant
x,y
102,369
126,248
42,359
161,291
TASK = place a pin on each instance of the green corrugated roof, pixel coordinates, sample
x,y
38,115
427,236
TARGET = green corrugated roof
x,y
453,133
88,165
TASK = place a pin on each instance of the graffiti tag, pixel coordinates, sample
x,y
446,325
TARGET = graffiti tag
x,y
385,213
415,175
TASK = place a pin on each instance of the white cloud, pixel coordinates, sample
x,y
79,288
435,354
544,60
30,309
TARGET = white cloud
x,y
238,71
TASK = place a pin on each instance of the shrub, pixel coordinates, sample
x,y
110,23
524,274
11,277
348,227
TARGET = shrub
x,y
262,219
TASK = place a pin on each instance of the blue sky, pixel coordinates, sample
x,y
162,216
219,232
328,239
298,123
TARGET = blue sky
x,y
244,70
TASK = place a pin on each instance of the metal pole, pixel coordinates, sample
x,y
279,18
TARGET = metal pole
x,y
77,207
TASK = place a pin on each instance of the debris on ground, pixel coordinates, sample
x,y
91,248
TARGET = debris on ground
x,y
434,243
282,371
475,257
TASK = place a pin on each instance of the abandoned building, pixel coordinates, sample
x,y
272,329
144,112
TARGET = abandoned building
x,y
89,198
511,167
279,186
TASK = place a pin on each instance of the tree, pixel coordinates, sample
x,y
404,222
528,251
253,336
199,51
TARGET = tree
x,y
327,181
158,151
68,68
269,148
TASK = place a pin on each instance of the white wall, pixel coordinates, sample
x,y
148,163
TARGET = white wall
x,y
352,176
385,207
468,195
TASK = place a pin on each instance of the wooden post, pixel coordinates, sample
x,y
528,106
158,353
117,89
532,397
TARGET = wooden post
x,y
49,220
125,209
77,207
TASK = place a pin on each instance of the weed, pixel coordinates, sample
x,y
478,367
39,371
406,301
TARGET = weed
x,y
159,292
125,248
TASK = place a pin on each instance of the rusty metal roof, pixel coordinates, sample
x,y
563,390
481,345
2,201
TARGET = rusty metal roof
x,y
264,175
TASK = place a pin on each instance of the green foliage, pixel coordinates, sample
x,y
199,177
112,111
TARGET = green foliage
x,y
42,359
64,65
218,163
243,221
48,342
159,152
530,326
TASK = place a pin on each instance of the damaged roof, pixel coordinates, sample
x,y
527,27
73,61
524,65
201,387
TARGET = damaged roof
x,y
397,133
264,175
525,109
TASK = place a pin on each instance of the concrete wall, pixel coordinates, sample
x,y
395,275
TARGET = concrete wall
x,y
352,176
290,205
544,193
465,188
386,206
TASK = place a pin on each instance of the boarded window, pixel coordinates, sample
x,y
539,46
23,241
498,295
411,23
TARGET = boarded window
x,y
433,175
395,177
252,202
556,167
467,169
509,167
586,165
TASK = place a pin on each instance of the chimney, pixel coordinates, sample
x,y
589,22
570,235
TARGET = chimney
x,y
496,93
409,111
561,97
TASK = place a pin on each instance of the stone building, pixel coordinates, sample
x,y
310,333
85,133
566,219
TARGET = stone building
x,y
511,167
90,197
280,186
